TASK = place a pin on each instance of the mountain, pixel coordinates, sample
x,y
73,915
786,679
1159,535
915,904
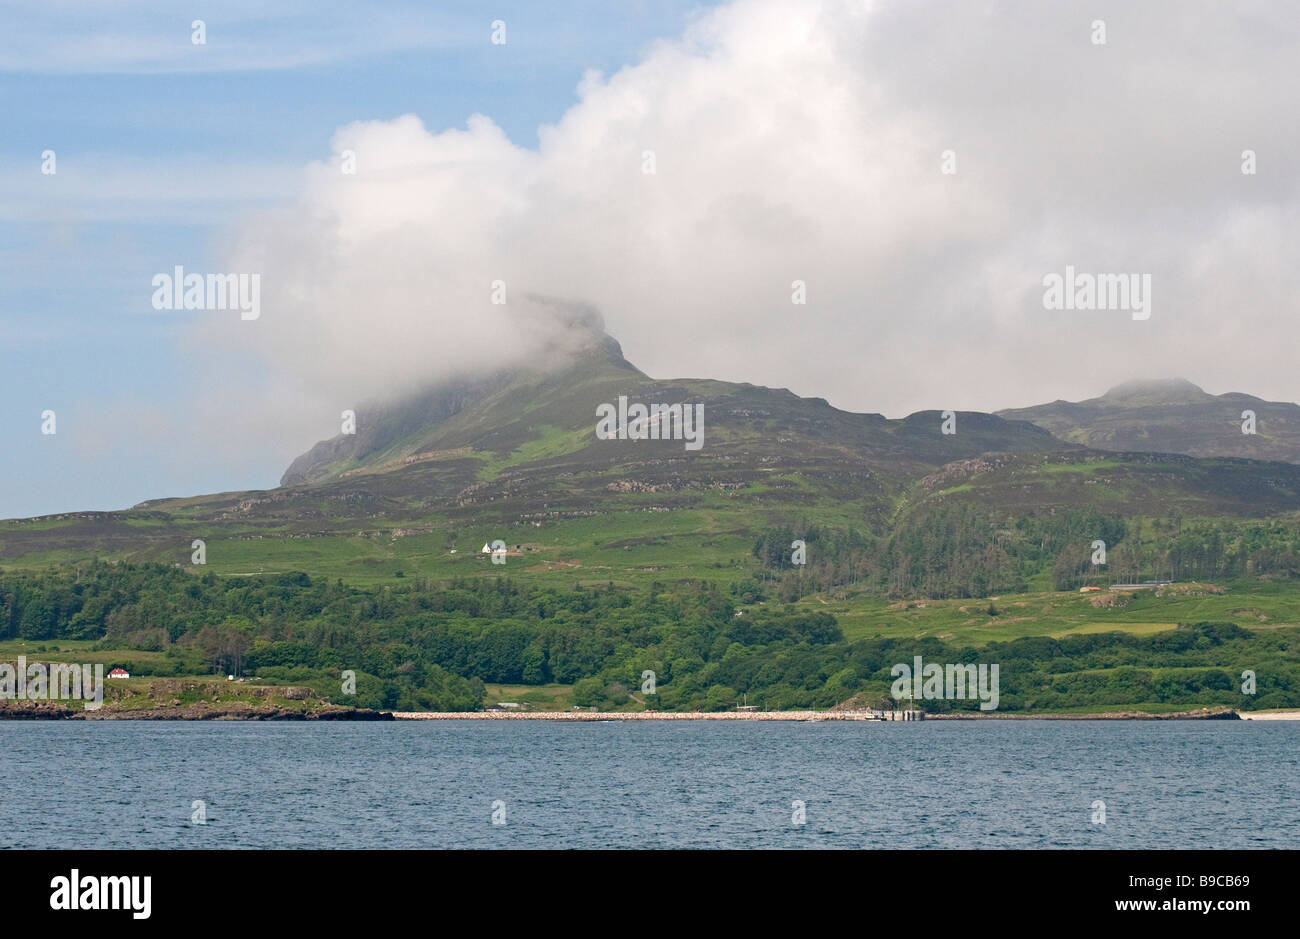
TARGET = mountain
x,y
472,460
1172,416
427,479
547,419
611,557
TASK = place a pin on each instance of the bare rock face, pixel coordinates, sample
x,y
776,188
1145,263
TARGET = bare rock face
x,y
233,711
15,710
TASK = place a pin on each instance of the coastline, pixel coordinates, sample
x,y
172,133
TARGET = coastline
x,y
1271,716
202,711
589,716
240,711
814,716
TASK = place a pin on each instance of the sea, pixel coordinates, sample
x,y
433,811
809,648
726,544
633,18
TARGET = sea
x,y
672,784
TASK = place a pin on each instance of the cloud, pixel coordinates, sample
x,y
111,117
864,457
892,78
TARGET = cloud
x,y
803,141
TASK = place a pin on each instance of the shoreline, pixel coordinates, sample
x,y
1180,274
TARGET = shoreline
x,y
206,712
589,716
815,716
200,713
1270,716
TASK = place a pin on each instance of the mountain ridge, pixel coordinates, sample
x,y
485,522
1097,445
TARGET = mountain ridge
x,y
1172,416
515,454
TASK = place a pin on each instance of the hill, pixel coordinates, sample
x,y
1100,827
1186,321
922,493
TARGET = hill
x,y
628,555
1172,416
426,481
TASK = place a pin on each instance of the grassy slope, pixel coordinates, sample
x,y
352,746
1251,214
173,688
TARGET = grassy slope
x,y
523,465
1249,604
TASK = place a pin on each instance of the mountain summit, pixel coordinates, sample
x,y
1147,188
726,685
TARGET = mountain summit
x,y
1172,416
1155,391
518,455
404,427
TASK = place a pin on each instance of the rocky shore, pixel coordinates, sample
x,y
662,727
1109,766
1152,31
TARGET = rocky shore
x,y
194,699
200,711
189,699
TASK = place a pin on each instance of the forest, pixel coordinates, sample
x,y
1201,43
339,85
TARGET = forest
x,y
961,551
433,646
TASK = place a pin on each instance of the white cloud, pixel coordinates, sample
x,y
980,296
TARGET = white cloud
x,y
802,140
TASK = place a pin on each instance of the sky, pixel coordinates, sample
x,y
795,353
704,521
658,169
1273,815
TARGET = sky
x,y
919,167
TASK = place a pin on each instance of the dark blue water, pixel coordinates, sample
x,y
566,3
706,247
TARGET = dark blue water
x,y
127,784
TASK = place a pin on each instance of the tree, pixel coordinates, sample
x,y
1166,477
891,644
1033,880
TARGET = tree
x,y
535,670
37,621
587,690
719,698
224,646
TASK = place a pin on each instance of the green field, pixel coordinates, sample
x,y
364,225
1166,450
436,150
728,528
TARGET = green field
x,y
1249,604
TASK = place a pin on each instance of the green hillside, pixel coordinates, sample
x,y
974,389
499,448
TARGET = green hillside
x,y
521,462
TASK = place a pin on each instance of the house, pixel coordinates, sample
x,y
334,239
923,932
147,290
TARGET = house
x,y
118,672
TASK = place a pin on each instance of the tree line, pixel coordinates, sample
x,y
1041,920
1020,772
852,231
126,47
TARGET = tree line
x,y
952,552
420,645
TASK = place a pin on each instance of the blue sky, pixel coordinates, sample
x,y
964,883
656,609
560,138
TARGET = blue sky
x,y
162,145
